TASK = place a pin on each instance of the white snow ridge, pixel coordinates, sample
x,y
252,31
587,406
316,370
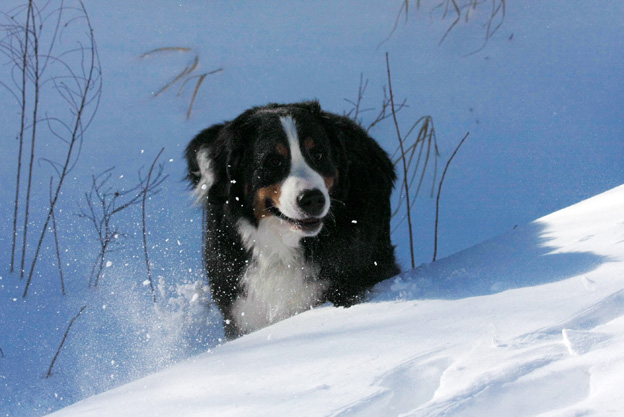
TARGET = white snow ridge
x,y
528,324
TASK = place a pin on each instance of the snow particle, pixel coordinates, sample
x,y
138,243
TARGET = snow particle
x,y
109,264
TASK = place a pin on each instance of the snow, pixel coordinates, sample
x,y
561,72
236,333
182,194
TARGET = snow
x,y
527,324
496,329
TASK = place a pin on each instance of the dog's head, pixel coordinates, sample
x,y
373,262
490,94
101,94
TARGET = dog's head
x,y
280,163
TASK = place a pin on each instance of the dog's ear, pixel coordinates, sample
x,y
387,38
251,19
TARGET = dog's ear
x,y
207,157
230,155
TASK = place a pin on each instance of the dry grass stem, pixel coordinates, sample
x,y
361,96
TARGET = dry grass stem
x,y
435,242
165,49
458,9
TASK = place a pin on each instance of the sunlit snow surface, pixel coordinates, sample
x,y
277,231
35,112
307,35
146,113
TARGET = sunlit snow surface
x,y
530,323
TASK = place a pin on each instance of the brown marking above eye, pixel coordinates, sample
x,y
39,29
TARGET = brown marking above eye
x,y
281,149
271,194
309,143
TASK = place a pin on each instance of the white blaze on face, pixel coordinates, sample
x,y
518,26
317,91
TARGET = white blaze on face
x,y
301,177
278,281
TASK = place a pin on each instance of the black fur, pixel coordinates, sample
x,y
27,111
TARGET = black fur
x,y
353,249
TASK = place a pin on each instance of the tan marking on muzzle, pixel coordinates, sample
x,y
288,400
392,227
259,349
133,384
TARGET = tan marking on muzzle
x,y
272,193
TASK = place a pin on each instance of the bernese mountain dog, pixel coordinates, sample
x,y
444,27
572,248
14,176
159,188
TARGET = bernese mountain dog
x,y
298,212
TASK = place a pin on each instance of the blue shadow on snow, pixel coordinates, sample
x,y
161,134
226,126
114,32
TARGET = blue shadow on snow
x,y
520,258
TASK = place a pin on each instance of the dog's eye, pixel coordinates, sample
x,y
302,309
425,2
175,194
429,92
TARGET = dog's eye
x,y
317,155
275,161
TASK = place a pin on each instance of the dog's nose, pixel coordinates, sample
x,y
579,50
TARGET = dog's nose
x,y
312,202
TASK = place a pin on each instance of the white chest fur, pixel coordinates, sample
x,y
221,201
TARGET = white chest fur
x,y
278,282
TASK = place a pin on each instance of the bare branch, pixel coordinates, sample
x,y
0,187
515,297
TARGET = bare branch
x,y
56,243
405,172
104,203
37,74
91,85
21,135
58,351
145,191
435,242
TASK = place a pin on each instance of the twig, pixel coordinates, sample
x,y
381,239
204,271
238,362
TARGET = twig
x,y
405,180
58,351
36,75
102,204
147,186
21,134
435,241
56,243
354,113
90,81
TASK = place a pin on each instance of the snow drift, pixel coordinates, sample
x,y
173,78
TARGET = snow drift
x,y
530,323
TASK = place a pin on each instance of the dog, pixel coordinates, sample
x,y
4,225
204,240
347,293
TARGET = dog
x,y
297,204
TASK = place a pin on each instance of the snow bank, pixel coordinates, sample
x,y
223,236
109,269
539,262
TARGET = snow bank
x,y
531,323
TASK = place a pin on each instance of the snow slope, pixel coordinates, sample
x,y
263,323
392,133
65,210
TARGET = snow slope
x,y
530,323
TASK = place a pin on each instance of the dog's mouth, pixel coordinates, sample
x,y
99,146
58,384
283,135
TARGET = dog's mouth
x,y
308,225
